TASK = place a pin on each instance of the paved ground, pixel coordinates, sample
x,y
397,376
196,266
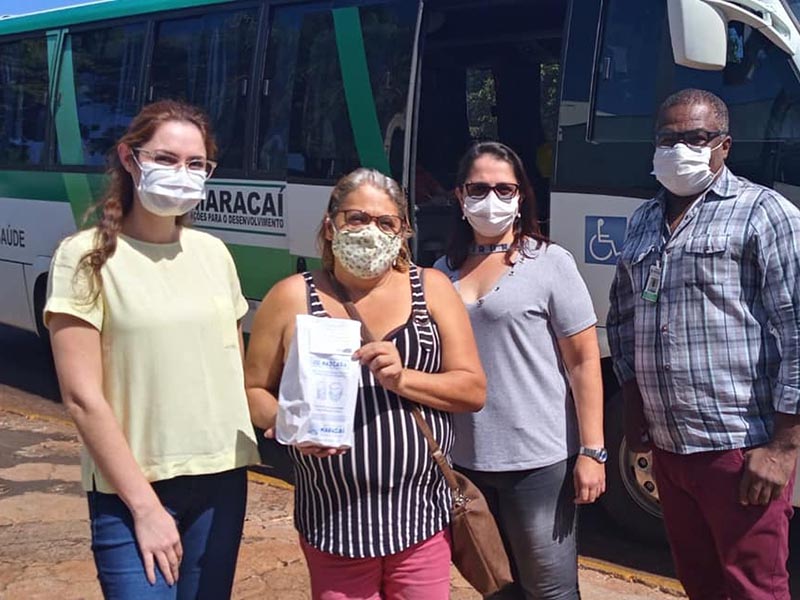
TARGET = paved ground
x,y
44,534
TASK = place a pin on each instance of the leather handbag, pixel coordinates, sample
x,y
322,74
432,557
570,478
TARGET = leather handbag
x,y
478,551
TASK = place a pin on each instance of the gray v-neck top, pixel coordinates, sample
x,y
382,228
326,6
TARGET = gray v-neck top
x,y
529,418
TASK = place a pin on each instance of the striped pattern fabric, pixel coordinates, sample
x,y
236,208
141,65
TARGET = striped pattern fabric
x,y
719,352
386,493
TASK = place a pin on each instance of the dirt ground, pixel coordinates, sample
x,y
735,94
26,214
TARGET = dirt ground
x,y
44,532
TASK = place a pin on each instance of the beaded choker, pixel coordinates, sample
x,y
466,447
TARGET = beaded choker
x,y
488,248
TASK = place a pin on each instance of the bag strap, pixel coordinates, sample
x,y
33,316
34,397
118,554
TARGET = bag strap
x,y
433,446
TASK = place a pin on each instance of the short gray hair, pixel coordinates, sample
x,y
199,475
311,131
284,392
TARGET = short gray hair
x,y
364,176
690,96
349,184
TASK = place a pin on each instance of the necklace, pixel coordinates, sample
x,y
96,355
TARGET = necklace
x,y
476,249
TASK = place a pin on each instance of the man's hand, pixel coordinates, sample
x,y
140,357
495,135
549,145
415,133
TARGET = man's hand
x,y
635,424
767,470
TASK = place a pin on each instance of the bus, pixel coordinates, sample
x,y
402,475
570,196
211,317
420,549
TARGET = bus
x,y
302,91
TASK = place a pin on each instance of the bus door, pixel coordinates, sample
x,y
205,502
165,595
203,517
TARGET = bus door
x,y
335,97
488,71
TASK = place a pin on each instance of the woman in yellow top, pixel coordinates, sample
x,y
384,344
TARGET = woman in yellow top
x,y
143,313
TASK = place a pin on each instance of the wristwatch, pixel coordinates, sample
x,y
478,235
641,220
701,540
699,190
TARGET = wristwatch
x,y
599,454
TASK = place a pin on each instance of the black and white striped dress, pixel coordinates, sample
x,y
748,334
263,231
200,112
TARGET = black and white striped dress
x,y
385,494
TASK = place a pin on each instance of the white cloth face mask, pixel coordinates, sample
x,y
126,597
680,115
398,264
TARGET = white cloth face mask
x,y
167,192
683,169
366,253
491,216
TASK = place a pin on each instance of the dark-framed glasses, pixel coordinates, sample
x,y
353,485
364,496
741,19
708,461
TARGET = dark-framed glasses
x,y
479,190
353,220
693,137
169,160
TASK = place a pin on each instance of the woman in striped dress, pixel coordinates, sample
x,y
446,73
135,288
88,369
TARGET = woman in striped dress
x,y
373,520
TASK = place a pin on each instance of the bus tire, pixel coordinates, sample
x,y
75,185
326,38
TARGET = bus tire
x,y
39,299
631,498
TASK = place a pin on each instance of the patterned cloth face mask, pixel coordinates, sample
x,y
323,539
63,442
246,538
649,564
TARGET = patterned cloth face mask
x,y
367,252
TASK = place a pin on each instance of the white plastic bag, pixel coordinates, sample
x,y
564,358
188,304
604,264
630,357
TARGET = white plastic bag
x,y
319,386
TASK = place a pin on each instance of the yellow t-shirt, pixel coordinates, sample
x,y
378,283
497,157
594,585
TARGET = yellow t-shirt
x,y
172,371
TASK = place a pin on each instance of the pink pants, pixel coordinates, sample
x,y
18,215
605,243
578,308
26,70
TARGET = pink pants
x,y
722,550
421,572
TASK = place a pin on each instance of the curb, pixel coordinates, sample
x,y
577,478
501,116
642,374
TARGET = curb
x,y
32,416
663,584
256,477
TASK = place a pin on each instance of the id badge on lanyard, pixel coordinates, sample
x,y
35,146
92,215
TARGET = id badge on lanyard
x,y
653,285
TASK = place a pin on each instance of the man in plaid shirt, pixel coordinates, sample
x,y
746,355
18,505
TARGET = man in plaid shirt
x,y
704,329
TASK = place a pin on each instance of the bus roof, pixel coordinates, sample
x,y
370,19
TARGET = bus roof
x,y
89,11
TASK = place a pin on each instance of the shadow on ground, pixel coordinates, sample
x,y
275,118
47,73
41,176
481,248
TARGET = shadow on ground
x,y
26,363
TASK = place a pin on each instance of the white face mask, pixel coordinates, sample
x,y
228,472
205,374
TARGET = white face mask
x,y
491,216
366,253
166,192
684,170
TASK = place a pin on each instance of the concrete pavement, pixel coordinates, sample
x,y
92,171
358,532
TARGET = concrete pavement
x,y
44,532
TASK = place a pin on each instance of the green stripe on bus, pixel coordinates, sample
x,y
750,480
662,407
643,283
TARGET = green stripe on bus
x,y
260,268
67,126
42,185
94,12
68,129
358,89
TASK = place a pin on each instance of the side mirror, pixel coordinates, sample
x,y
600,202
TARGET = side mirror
x,y
699,35
698,29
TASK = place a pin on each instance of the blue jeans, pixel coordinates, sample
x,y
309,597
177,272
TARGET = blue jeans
x,y
209,511
536,515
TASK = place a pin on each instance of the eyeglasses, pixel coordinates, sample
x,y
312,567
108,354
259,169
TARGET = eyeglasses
x,y
167,159
479,190
693,137
358,219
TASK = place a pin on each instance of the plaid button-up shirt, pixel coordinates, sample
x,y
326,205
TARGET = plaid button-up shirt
x,y
718,352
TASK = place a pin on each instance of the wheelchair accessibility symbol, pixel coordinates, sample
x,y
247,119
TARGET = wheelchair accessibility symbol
x,y
603,238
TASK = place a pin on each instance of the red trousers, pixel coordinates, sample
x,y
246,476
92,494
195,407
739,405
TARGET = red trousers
x,y
421,572
722,549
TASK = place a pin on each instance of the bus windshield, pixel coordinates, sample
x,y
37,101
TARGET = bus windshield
x,y
794,6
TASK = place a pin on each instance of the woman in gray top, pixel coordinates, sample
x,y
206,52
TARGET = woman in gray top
x,y
536,449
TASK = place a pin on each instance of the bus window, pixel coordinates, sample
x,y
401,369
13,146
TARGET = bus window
x,y
335,90
207,60
104,73
23,109
481,102
636,72
486,74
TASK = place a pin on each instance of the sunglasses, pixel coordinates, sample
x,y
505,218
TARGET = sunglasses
x,y
693,137
479,190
